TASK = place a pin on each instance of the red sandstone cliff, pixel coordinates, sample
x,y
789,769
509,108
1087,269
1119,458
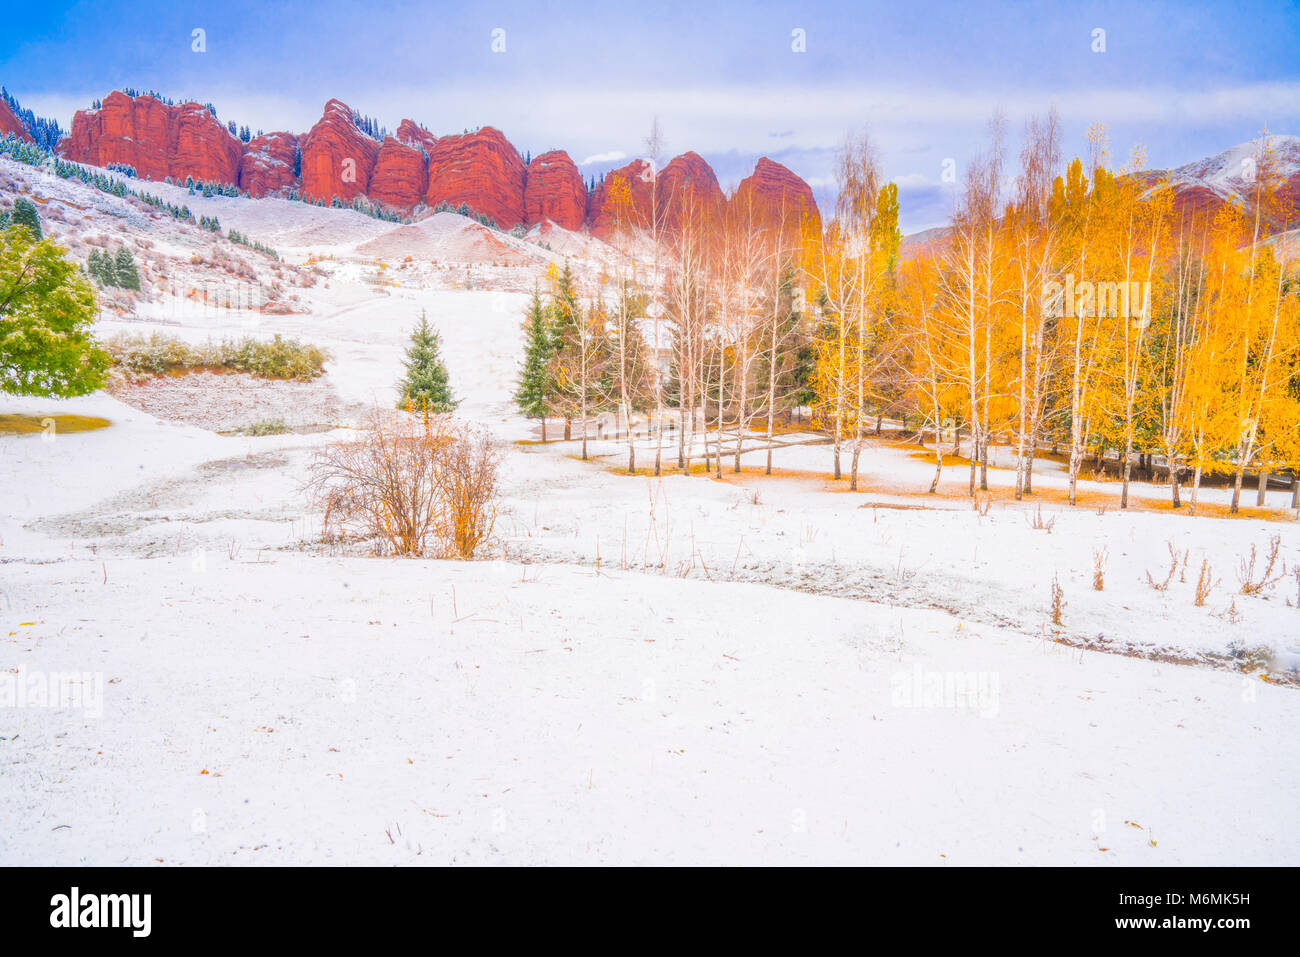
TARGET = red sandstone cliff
x,y
10,124
554,190
482,170
267,165
157,139
337,158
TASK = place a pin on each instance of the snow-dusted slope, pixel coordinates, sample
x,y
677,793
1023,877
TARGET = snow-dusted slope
x,y
1232,172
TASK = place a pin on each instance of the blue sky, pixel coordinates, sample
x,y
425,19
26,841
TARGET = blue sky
x,y
1184,79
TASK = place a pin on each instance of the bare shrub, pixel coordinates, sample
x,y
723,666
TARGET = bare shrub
x,y
1206,583
1173,570
1040,524
1098,569
415,484
467,481
1058,602
1230,614
1252,585
982,503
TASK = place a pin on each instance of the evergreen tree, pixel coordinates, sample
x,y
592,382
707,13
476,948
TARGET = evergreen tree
x,y
102,268
95,266
534,391
564,326
124,269
425,385
23,214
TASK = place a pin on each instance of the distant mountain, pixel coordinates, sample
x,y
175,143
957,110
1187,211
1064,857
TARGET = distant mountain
x,y
1203,187
923,242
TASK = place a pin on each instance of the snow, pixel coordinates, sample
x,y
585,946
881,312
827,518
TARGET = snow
x,y
1231,172
675,670
344,711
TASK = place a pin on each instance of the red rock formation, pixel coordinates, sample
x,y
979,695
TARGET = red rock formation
x,y
554,190
203,148
602,214
412,134
10,124
688,183
157,139
775,193
400,177
479,169
337,158
268,163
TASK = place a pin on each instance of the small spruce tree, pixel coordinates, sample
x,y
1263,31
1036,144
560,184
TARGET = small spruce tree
x,y
23,214
124,271
425,385
533,394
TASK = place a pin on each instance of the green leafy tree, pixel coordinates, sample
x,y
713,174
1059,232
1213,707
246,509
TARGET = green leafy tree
x,y
425,385
534,392
47,309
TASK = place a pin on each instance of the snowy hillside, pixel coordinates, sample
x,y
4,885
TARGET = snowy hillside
x,y
1232,172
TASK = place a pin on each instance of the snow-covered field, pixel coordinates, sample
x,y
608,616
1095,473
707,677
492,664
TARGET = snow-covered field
x,y
646,670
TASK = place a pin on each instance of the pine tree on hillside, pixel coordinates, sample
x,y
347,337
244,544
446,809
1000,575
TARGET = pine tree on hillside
x,y
124,269
95,267
533,394
425,385
23,214
102,267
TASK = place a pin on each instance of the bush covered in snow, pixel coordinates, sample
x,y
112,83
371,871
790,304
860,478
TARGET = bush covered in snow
x,y
277,358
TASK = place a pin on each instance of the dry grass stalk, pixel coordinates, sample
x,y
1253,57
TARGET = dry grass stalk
x,y
1205,584
1252,585
1058,602
1173,570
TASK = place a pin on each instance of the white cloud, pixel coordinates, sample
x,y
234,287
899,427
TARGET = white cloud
x,y
612,156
